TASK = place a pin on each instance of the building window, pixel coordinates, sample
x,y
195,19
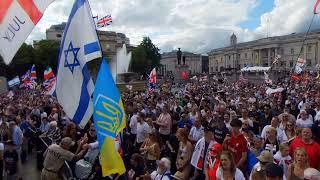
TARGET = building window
x,y
217,68
282,63
308,61
291,63
245,55
309,48
221,60
292,51
281,51
58,35
211,69
229,57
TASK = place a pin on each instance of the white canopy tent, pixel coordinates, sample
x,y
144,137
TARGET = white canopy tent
x,y
255,69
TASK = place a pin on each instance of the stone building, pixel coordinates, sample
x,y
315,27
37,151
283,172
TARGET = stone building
x,y
262,52
110,41
189,61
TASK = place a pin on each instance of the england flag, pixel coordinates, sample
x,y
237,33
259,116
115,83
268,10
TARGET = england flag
x,y
17,19
79,45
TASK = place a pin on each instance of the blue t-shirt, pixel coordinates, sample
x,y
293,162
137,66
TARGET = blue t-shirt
x,y
182,123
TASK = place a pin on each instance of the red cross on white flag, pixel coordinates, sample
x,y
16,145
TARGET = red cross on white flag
x,y
17,20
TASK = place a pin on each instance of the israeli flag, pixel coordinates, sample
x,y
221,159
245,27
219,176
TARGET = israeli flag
x,y
79,45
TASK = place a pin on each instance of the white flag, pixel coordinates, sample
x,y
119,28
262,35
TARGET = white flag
x,y
17,19
79,45
297,69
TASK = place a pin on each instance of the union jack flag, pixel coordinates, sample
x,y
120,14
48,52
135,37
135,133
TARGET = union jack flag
x,y
105,21
152,80
26,76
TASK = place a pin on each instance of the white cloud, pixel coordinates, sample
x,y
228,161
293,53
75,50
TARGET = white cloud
x,y
193,25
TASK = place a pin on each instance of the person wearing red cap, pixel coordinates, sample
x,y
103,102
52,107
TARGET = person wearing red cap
x,y
213,162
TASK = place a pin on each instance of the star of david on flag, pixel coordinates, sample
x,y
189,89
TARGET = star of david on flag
x,y
79,45
75,60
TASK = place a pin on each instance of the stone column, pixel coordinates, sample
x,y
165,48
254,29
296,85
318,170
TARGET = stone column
x,y
317,52
269,57
305,49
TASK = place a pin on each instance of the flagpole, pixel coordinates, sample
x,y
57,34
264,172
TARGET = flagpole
x,y
303,42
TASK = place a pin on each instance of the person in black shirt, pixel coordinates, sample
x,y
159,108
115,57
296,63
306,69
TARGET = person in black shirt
x,y
11,158
220,131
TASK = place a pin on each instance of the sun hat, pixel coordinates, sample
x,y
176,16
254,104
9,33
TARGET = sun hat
x,y
178,175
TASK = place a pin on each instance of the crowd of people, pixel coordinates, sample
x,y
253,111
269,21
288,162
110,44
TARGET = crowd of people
x,y
221,130
195,130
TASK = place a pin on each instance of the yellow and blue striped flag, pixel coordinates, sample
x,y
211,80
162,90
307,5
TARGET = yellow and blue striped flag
x,y
109,119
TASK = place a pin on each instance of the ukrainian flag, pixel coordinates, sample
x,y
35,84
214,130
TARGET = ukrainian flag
x,y
109,119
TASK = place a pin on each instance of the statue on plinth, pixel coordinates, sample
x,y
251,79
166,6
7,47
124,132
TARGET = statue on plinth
x,y
179,53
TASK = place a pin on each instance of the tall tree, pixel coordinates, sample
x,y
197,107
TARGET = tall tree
x,y
47,53
145,57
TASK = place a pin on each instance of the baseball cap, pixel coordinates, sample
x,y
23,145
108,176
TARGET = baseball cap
x,y
216,149
178,175
265,157
67,141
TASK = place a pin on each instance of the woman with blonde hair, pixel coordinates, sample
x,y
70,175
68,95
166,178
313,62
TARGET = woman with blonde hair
x,y
227,169
151,149
296,169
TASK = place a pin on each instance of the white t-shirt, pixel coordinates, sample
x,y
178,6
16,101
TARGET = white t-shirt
x,y
142,130
304,123
237,176
1,146
249,120
317,117
133,124
196,133
156,176
279,133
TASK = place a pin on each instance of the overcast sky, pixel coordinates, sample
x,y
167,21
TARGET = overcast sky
x,y
194,25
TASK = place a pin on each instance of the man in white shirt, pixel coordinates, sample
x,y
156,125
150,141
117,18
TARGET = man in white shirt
x,y
143,129
274,123
196,131
133,124
163,170
304,120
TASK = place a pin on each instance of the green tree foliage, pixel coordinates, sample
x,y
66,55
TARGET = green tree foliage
x,y
25,55
47,53
145,57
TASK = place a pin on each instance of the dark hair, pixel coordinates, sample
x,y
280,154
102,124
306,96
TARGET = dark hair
x,y
138,159
274,170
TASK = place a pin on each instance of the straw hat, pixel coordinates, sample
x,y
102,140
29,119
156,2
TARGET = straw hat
x,y
178,175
